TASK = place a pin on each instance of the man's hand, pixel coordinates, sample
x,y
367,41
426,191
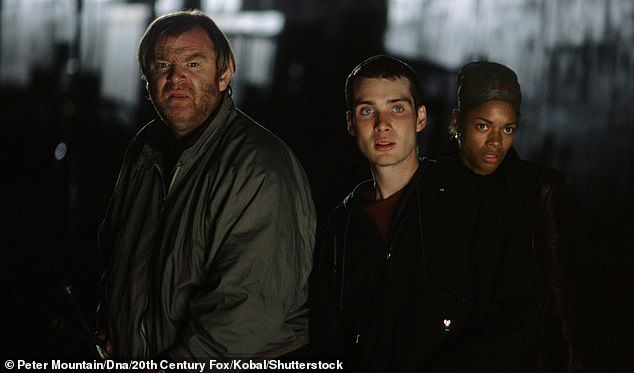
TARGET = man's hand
x,y
104,346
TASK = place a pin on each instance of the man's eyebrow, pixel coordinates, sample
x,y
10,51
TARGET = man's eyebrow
x,y
401,99
195,55
391,101
187,57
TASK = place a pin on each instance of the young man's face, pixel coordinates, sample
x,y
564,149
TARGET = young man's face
x,y
183,82
487,133
384,121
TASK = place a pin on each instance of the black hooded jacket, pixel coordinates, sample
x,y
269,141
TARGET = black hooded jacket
x,y
453,290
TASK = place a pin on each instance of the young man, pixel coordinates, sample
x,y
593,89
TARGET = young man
x,y
410,274
208,239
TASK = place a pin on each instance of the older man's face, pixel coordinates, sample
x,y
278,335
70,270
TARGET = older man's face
x,y
183,83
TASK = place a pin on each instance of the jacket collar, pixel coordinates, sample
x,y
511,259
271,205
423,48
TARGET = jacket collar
x,y
217,125
159,137
364,189
516,173
431,177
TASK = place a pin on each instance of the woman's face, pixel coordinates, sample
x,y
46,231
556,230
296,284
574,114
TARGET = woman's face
x,y
486,134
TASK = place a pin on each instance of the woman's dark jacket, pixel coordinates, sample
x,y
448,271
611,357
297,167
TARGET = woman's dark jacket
x,y
452,291
536,199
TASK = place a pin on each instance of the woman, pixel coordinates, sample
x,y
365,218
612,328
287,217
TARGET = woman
x,y
484,125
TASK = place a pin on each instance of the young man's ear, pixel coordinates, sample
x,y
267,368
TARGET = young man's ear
x,y
350,126
421,118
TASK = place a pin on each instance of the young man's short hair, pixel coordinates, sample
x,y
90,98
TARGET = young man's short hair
x,y
386,67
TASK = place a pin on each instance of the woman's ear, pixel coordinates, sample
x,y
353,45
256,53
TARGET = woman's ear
x,y
454,125
454,121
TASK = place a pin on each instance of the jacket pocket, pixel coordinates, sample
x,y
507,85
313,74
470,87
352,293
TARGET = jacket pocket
x,y
424,324
409,330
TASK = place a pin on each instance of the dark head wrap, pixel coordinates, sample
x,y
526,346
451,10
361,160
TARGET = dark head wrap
x,y
483,81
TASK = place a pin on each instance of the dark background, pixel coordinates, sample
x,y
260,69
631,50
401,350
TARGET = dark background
x,y
577,117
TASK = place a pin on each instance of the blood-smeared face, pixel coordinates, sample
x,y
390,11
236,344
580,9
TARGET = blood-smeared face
x,y
183,83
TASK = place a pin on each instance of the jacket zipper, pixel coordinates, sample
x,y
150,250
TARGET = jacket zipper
x,y
174,175
142,330
160,172
172,180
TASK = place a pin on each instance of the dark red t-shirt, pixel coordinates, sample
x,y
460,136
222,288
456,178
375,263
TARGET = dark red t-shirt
x,y
382,211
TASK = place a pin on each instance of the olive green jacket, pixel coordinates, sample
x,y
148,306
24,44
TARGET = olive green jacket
x,y
217,261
